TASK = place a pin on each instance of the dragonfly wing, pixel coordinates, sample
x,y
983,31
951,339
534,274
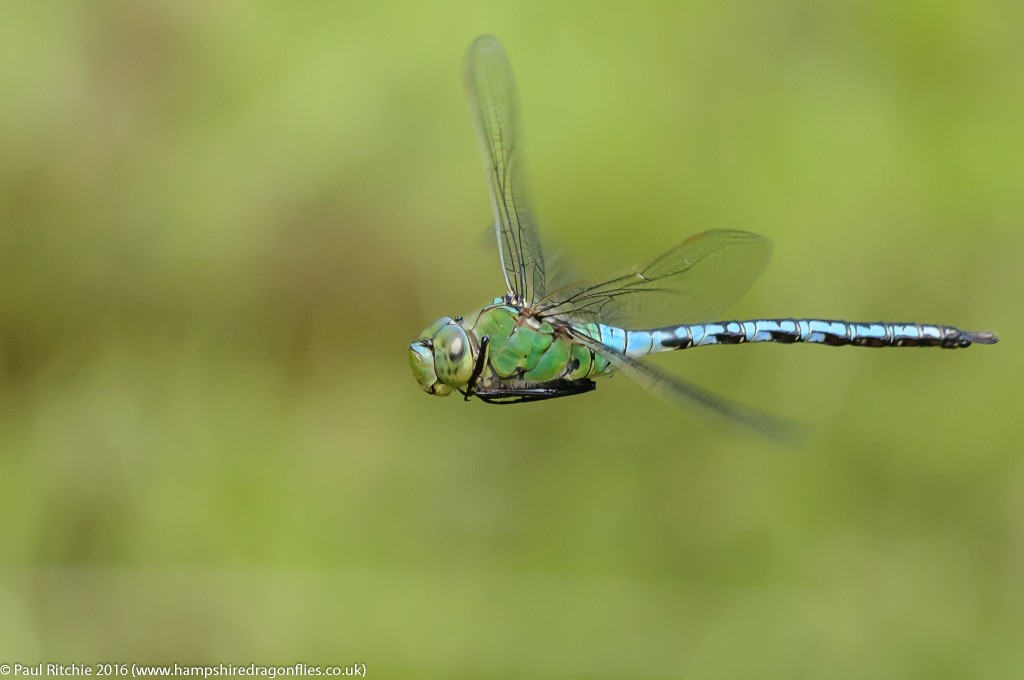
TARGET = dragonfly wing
x,y
492,93
679,392
694,281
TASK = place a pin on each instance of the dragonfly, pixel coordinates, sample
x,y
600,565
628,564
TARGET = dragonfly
x,y
538,341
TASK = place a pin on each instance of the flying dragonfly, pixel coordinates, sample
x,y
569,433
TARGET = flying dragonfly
x,y
533,343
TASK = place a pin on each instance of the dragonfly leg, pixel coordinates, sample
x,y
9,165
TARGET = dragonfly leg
x,y
481,360
536,392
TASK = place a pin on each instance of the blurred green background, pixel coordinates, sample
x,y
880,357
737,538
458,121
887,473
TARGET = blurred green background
x,y
221,224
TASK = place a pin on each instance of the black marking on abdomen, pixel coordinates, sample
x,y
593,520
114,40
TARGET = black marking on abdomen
x,y
871,342
784,338
678,343
951,339
835,340
728,338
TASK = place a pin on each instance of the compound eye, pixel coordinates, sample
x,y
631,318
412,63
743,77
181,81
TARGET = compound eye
x,y
452,358
456,350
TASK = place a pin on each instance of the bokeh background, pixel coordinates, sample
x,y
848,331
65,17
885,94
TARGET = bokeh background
x,y
221,224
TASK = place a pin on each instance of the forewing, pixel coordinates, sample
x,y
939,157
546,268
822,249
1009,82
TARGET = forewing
x,y
492,94
694,281
685,394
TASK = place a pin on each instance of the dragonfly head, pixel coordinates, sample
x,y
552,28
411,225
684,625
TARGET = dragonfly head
x,y
441,358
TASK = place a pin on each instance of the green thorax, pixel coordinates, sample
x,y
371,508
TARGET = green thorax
x,y
523,348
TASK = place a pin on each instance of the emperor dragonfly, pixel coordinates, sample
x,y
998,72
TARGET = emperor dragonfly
x,y
533,343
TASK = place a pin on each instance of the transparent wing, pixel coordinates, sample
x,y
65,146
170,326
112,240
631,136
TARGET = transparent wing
x,y
679,392
695,281
492,94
